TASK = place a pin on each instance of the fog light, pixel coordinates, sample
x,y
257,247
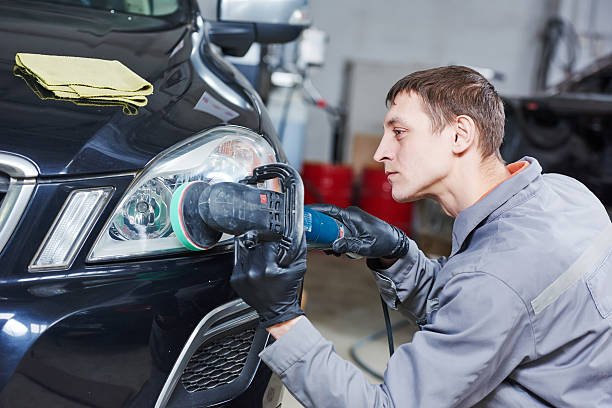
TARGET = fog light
x,y
70,228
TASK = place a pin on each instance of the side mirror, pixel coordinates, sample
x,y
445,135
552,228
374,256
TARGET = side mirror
x,y
243,22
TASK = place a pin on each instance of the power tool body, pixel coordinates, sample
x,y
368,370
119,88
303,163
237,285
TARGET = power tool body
x,y
202,212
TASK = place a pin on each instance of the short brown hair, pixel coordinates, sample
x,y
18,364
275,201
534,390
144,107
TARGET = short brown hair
x,y
447,92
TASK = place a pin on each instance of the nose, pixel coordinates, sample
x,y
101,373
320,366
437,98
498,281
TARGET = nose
x,y
384,152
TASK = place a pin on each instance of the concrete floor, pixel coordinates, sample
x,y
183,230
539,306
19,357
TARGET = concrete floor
x,y
342,301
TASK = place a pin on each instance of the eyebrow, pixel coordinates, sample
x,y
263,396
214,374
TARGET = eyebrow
x,y
395,120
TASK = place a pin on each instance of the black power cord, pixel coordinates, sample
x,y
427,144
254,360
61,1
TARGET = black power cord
x,y
557,33
388,330
388,326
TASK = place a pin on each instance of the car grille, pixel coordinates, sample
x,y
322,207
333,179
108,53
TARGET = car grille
x,y
218,362
17,182
5,182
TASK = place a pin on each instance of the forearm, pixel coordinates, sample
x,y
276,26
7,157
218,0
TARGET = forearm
x,y
406,283
314,373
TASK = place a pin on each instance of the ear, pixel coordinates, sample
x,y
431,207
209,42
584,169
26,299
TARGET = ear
x,y
465,134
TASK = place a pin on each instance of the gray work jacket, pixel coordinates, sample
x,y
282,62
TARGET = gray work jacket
x,y
519,315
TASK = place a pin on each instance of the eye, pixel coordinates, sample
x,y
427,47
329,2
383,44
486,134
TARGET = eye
x,y
399,132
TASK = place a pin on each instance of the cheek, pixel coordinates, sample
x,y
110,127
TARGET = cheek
x,y
437,152
414,154
423,162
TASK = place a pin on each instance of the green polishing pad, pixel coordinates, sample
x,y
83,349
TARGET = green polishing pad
x,y
189,228
176,219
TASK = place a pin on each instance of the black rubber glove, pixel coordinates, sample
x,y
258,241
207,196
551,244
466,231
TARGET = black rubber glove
x,y
367,235
270,289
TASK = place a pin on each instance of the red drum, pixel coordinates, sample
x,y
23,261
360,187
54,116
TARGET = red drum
x,y
327,183
375,198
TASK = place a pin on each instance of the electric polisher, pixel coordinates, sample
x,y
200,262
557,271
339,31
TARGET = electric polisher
x,y
201,212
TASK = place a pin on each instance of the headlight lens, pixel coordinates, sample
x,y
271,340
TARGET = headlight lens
x,y
140,225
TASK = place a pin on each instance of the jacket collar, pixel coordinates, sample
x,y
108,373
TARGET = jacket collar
x,y
472,217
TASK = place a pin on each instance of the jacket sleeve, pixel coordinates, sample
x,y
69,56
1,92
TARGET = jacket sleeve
x,y
480,333
406,285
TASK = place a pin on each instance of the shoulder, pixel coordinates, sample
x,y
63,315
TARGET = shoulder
x,y
528,249
562,186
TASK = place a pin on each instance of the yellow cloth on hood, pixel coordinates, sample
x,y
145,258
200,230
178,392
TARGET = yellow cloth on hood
x,y
86,78
45,94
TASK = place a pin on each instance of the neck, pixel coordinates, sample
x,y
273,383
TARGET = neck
x,y
468,181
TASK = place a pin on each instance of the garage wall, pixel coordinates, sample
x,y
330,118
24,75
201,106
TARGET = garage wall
x,y
494,34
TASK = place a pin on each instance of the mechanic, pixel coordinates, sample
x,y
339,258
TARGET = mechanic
x,y
519,314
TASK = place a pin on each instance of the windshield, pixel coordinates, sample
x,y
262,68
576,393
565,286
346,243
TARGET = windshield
x,y
151,8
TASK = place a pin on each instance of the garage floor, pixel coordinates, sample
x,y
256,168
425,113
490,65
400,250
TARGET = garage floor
x,y
343,303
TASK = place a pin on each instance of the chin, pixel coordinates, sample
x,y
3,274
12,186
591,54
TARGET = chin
x,y
407,196
401,197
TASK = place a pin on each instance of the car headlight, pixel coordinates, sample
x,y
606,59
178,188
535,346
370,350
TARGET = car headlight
x,y
140,224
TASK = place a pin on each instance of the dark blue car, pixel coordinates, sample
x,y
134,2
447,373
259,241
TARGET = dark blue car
x,y
100,306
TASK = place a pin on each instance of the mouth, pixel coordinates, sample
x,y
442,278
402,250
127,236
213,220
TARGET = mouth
x,y
390,174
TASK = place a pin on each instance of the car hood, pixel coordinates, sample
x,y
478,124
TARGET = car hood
x,y
62,138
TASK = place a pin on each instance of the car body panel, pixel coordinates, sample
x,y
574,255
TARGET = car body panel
x,y
108,334
64,139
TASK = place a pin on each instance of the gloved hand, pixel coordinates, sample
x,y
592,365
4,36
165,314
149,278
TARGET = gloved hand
x,y
270,289
367,236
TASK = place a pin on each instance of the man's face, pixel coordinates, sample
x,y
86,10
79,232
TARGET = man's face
x,y
416,159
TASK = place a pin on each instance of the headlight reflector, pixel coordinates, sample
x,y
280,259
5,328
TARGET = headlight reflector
x,y
145,214
140,225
